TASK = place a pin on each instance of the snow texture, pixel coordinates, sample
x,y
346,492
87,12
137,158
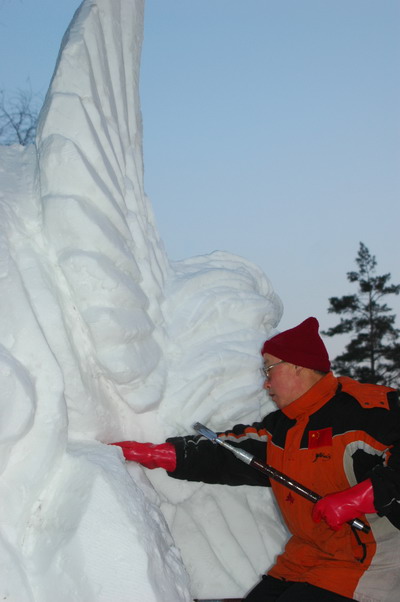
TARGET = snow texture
x,y
102,338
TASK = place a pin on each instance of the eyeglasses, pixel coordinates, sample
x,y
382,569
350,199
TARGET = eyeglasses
x,y
266,369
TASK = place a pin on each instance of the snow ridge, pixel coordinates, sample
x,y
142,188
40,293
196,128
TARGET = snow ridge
x,y
103,339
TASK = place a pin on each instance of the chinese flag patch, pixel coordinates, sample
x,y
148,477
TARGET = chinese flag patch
x,y
320,438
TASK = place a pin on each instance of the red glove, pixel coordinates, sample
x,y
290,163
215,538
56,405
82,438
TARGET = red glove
x,y
338,508
149,455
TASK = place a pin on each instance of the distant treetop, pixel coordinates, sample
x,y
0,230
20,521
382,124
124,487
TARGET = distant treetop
x,y
373,353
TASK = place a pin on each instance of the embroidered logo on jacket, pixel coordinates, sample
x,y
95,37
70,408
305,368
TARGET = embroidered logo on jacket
x,y
320,438
323,456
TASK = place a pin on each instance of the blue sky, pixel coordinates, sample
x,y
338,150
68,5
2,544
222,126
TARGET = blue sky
x,y
271,130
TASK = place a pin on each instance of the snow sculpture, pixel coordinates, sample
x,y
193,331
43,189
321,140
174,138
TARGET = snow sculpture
x,y
103,338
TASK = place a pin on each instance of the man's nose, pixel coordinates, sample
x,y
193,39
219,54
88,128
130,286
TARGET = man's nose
x,y
266,384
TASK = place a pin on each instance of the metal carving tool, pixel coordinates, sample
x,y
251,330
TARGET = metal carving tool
x,y
271,472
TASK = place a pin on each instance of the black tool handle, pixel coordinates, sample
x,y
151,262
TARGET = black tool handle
x,y
272,473
300,489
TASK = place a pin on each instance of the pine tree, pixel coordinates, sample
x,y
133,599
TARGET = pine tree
x,y
373,353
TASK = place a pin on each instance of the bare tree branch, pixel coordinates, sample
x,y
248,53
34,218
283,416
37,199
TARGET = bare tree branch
x,y
18,117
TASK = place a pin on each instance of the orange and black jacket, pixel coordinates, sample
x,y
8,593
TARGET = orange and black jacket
x,y
337,434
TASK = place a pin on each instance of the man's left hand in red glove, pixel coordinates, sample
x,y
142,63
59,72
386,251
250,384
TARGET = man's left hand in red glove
x,y
339,508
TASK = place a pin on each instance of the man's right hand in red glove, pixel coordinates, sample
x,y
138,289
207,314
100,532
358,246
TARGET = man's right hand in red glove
x,y
149,454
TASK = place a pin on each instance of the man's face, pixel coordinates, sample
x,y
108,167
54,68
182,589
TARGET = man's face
x,y
283,382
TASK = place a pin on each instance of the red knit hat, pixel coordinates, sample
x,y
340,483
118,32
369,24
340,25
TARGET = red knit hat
x,y
301,346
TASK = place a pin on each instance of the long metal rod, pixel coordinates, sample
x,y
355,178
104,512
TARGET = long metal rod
x,y
271,472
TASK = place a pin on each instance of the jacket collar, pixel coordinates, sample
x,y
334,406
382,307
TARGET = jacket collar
x,y
314,398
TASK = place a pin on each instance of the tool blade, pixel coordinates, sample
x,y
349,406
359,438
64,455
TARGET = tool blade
x,y
206,432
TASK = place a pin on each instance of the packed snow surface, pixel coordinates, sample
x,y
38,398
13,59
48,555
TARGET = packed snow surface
x,y
103,338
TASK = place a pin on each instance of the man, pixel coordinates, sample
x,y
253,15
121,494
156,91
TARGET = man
x,y
337,437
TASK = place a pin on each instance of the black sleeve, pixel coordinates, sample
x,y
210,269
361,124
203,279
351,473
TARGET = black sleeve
x,y
198,459
386,477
